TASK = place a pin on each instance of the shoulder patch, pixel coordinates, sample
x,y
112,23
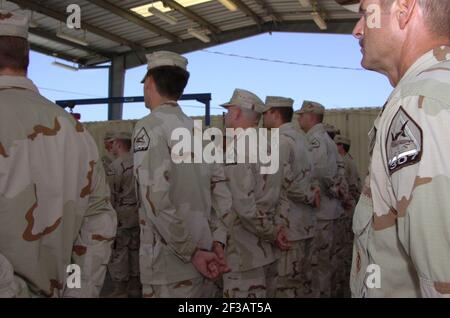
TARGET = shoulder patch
x,y
404,143
142,141
315,143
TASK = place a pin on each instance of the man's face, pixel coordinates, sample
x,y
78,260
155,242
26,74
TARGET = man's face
x,y
231,117
340,148
303,121
375,33
115,148
108,145
146,94
268,119
147,91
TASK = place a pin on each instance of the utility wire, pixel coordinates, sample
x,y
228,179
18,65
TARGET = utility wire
x,y
283,62
67,92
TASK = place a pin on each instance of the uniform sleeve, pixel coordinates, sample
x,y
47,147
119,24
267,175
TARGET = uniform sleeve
x,y
92,248
113,181
325,170
125,185
354,181
221,202
416,159
297,185
251,206
339,186
153,176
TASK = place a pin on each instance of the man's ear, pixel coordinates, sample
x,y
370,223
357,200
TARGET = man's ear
x,y
237,112
149,83
404,10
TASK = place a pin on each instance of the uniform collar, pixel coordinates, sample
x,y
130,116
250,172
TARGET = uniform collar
x,y
285,127
7,81
166,105
318,128
437,55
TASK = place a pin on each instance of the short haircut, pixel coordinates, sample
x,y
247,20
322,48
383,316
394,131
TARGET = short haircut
x,y
14,53
436,13
346,147
170,80
331,134
286,113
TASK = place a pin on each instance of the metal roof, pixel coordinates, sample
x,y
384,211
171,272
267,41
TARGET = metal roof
x,y
111,29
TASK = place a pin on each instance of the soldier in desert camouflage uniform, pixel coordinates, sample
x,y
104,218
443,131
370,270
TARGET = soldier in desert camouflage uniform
x,y
54,201
402,219
251,251
124,264
331,130
343,144
328,170
299,196
108,157
177,243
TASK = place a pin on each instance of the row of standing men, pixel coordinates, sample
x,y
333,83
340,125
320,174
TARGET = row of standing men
x,y
204,229
286,234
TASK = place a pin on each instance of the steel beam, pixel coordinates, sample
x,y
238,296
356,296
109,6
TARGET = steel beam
x,y
191,15
34,6
134,18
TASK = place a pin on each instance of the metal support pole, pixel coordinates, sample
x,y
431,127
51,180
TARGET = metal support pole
x,y
116,87
207,113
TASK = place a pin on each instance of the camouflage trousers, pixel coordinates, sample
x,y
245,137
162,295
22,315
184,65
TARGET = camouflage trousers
x,y
348,251
125,255
324,261
295,278
199,287
255,283
340,240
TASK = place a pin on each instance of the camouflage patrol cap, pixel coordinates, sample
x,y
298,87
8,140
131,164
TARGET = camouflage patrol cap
x,y
339,139
108,136
13,24
165,58
246,99
122,135
329,128
278,102
311,107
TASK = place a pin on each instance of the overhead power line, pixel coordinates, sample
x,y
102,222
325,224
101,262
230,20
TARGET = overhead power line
x,y
283,62
67,92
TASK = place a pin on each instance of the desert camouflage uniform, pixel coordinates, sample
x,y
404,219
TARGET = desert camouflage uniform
x,y
175,207
125,255
54,201
250,250
328,169
345,227
108,158
221,218
402,220
109,171
297,215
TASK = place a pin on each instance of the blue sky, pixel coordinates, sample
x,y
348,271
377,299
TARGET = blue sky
x,y
220,75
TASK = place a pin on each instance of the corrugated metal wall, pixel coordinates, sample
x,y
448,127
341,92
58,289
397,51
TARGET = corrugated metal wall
x,y
354,123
